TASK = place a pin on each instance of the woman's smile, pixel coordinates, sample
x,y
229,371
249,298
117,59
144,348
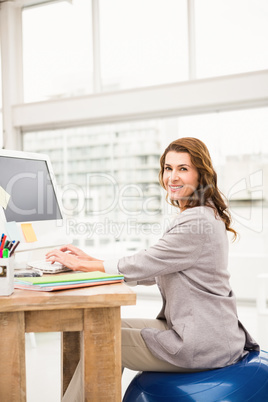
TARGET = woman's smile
x,y
175,188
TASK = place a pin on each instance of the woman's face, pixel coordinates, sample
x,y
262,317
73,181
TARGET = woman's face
x,y
180,177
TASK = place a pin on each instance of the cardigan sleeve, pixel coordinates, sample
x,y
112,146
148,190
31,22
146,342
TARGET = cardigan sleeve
x,y
110,267
177,250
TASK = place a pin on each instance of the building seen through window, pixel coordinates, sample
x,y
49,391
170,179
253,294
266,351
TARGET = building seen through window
x,y
108,178
108,175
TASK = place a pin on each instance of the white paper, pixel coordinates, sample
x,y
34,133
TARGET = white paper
x,y
4,198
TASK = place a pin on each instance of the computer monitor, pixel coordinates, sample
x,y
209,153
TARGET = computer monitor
x,y
28,194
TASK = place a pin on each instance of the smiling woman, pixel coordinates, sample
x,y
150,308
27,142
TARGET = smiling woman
x,y
197,328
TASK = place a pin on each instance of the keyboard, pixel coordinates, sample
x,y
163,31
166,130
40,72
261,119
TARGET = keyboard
x,y
46,267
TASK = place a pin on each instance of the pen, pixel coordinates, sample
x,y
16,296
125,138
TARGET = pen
x,y
3,242
6,243
13,248
9,245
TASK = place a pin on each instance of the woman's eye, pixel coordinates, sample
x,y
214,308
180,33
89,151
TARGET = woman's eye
x,y
167,168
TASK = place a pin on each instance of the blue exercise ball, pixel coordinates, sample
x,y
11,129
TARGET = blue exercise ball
x,y
244,381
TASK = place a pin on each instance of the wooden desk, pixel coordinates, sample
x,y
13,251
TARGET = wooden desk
x,y
89,319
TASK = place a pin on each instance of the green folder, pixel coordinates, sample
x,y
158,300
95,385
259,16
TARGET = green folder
x,y
65,278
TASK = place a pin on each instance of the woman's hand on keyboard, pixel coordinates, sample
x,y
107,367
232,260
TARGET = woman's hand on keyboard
x,y
69,248
73,260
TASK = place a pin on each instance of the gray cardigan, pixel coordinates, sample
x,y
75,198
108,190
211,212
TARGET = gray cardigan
x,y
189,265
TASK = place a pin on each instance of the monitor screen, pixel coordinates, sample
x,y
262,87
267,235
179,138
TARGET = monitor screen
x,y
29,184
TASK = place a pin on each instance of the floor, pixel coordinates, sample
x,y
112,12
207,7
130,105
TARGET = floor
x,y
43,350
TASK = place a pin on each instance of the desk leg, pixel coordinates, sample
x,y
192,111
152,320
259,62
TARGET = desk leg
x,y
70,356
12,357
101,348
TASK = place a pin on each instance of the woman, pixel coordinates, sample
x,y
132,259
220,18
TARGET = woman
x,y
197,328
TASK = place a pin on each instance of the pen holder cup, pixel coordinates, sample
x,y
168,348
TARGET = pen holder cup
x,y
6,276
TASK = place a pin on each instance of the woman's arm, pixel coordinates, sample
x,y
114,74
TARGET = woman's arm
x,y
178,249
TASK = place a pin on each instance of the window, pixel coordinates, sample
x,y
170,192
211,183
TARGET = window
x,y
108,190
57,50
230,36
143,43
110,182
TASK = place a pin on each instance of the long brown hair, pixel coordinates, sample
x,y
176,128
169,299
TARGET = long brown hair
x,y
207,192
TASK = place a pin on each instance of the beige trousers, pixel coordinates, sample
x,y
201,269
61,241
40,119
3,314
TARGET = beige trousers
x,y
135,354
